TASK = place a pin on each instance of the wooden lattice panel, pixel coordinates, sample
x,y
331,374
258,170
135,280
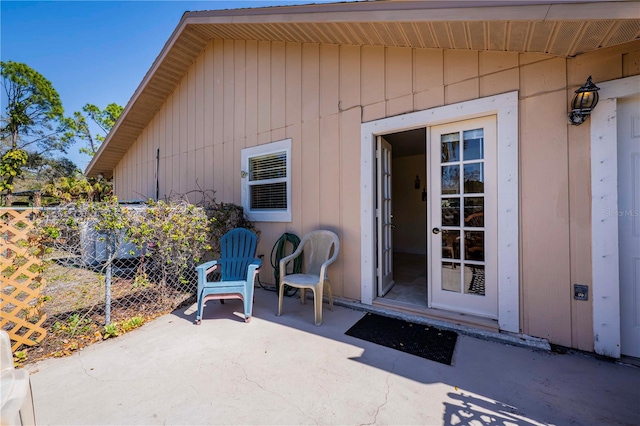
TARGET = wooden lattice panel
x,y
21,280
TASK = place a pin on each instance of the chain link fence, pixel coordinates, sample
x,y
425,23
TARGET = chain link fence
x,y
111,267
107,263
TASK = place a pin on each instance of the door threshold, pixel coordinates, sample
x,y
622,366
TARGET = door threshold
x,y
457,318
629,360
470,325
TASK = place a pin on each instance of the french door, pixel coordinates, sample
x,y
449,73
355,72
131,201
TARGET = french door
x,y
384,217
463,204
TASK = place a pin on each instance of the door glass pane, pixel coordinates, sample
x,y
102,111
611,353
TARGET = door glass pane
x,y
473,212
450,244
473,145
473,178
474,245
450,147
474,279
451,277
451,179
451,212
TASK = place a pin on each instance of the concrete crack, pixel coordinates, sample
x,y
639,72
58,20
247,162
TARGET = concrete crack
x,y
86,372
386,396
255,382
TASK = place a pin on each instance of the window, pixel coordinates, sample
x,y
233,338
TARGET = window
x,y
266,182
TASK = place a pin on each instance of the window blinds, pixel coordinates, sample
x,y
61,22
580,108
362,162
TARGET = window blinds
x,y
267,181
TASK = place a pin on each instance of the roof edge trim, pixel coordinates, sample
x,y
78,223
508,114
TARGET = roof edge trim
x,y
143,84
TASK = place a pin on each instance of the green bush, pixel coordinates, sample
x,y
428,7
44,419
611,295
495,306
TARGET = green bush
x,y
174,237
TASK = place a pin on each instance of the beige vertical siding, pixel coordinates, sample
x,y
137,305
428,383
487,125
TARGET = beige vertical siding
x,y
244,93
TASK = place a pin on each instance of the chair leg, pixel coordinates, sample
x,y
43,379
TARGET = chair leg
x,y
280,296
303,296
199,311
327,284
317,304
248,305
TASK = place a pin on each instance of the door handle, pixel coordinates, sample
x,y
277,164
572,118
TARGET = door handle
x,y
436,230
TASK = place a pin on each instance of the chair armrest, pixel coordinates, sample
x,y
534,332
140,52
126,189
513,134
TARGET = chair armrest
x,y
207,267
252,270
255,265
293,255
203,270
323,268
287,259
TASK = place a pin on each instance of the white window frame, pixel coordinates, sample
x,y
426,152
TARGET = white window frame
x,y
255,151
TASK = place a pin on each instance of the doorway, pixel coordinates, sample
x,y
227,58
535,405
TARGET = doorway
x,y
404,280
504,257
436,187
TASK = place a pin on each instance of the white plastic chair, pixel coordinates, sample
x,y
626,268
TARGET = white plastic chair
x,y
318,246
16,401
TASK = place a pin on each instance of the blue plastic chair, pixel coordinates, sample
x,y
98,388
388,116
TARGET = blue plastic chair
x,y
238,267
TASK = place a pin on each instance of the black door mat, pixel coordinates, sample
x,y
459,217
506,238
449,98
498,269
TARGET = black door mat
x,y
417,339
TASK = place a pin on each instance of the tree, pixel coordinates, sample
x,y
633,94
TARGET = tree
x,y
11,165
44,169
32,122
104,119
73,188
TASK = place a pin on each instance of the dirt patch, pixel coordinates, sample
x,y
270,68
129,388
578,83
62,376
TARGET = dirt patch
x,y
76,309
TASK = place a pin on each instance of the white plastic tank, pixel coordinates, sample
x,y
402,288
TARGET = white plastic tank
x,y
94,243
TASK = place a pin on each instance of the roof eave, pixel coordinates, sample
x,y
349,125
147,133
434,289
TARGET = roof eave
x,y
379,12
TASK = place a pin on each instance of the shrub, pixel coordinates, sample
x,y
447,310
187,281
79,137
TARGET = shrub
x,y
173,236
223,218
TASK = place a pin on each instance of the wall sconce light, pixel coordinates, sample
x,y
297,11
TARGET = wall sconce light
x,y
416,184
584,101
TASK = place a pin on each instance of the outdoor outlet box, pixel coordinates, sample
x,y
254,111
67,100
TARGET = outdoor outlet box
x,y
580,292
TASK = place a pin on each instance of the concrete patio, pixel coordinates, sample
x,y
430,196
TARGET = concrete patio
x,y
284,370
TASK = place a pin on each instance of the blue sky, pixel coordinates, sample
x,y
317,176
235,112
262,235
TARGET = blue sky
x,y
96,51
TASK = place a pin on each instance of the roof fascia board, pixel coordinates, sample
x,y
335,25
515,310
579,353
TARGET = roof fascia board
x,y
540,12
600,10
536,13
385,6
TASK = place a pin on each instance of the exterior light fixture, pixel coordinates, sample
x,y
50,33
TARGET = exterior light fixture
x,y
584,101
416,183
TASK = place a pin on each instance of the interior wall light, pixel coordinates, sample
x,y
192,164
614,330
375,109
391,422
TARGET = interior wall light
x,y
584,101
416,183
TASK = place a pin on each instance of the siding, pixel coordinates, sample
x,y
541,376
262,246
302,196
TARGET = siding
x,y
245,93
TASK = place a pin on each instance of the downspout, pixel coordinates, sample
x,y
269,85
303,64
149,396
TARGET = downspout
x,y
157,174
